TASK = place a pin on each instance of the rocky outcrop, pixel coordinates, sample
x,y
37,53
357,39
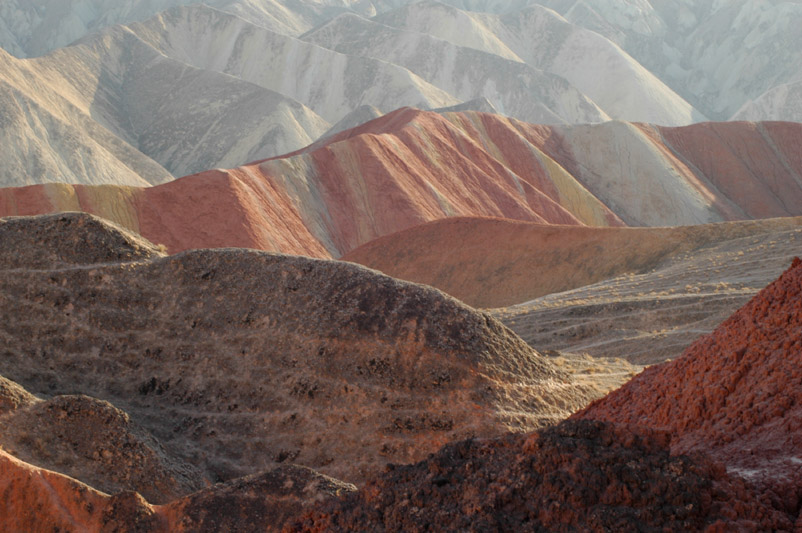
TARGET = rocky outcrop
x,y
734,393
579,475
95,442
38,500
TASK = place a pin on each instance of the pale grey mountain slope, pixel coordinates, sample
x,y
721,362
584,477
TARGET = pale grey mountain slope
x,y
48,135
717,54
621,86
481,104
154,118
357,117
366,113
330,83
514,88
783,102
35,27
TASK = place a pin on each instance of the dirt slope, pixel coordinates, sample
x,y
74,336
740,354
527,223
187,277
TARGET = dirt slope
x,y
498,263
734,393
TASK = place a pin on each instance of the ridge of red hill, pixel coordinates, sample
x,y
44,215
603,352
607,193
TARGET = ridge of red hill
x,y
410,167
735,393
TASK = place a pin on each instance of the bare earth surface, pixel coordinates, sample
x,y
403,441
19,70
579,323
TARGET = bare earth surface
x,y
735,393
652,317
489,262
206,366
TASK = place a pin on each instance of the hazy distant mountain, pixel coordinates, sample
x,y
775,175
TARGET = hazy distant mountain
x,y
783,102
35,27
330,83
514,88
48,135
155,111
622,87
718,55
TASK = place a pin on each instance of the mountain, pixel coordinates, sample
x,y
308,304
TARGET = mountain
x,y
514,88
112,101
402,169
49,135
409,167
717,55
497,263
232,362
782,102
329,83
35,27
617,83
734,393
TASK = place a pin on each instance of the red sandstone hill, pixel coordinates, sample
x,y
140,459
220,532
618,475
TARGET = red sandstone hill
x,y
489,262
736,393
411,167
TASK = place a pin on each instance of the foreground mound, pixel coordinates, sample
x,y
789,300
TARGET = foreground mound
x,y
579,475
236,361
736,393
488,262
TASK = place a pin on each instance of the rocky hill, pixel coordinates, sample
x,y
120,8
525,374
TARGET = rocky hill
x,y
216,364
733,394
579,475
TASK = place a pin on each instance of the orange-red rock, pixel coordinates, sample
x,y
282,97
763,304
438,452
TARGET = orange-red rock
x,y
410,167
736,393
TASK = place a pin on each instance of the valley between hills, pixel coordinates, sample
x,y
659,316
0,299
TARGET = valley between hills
x,y
397,265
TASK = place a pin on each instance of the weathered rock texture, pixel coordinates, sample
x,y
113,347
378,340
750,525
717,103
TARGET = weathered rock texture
x,y
236,361
579,475
37,500
411,167
653,317
735,393
494,263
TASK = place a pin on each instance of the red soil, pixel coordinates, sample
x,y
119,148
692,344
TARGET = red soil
x,y
736,393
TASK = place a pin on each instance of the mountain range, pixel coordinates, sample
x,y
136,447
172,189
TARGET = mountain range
x,y
400,265
410,167
122,104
